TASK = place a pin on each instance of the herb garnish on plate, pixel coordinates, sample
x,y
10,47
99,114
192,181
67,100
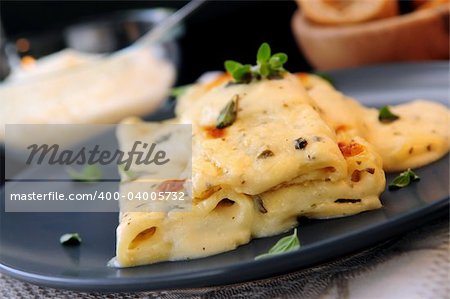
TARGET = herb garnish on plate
x,y
89,173
70,239
286,244
403,180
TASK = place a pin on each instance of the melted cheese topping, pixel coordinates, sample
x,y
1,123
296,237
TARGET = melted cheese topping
x,y
249,179
419,137
236,159
333,175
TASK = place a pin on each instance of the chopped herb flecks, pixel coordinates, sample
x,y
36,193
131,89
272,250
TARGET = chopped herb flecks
x,y
386,116
259,204
265,154
300,143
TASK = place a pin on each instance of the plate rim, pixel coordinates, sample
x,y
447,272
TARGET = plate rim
x,y
203,278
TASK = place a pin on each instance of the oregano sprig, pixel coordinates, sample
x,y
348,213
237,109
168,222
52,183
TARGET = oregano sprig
x,y
267,66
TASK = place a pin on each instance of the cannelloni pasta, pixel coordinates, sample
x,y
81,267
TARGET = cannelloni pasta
x,y
259,159
265,152
419,136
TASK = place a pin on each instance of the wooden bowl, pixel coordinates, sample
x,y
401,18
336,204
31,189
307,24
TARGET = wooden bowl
x,y
420,35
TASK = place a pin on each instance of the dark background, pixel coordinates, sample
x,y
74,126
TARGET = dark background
x,y
219,30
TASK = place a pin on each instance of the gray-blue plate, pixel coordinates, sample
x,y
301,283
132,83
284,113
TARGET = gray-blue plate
x,y
29,241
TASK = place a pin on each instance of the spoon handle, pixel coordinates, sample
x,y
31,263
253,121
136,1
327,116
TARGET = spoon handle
x,y
157,34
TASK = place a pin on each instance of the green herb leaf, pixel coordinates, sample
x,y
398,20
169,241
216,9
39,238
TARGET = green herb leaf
x,y
70,239
179,90
239,72
277,60
243,73
285,244
89,173
386,116
228,114
282,57
325,77
264,70
231,66
263,54
403,180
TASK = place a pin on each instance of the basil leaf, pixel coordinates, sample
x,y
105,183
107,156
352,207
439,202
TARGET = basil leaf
x,y
228,114
325,77
386,116
89,173
403,180
286,244
70,239
263,54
